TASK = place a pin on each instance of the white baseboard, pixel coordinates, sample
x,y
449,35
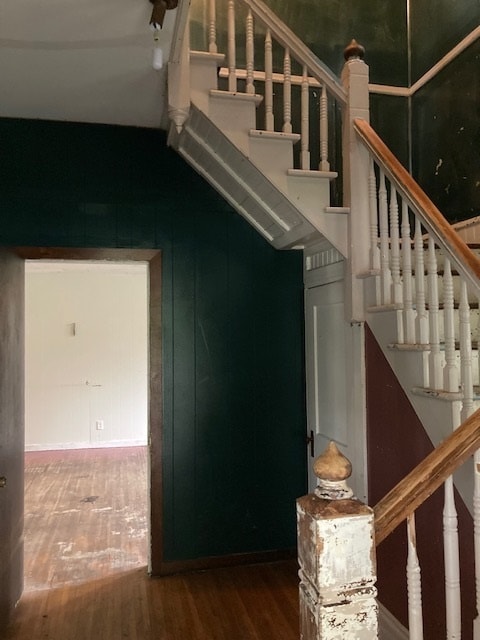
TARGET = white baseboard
x,y
58,446
389,628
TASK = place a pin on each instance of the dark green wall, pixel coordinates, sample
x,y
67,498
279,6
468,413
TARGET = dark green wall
x,y
328,26
446,111
233,405
436,27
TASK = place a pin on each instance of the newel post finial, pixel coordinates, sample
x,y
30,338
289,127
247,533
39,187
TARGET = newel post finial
x,y
332,469
336,555
354,50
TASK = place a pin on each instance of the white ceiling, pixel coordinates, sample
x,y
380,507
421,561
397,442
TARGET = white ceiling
x,y
82,61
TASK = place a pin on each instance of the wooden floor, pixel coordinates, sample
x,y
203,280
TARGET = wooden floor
x,y
85,564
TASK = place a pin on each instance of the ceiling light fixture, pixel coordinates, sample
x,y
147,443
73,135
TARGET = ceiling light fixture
x,y
159,9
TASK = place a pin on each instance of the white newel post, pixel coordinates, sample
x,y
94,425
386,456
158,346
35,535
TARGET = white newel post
x,y
336,554
356,173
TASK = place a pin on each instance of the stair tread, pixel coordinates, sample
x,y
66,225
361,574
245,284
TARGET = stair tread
x,y
274,135
236,95
311,173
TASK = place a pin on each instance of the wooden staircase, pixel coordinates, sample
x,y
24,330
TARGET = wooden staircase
x,y
406,273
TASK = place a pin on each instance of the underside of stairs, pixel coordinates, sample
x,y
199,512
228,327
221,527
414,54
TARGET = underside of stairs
x,y
253,169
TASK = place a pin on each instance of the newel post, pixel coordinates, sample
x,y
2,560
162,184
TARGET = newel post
x,y
336,554
356,169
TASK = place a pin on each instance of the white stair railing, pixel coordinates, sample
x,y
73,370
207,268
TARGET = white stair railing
x,y
443,321
286,62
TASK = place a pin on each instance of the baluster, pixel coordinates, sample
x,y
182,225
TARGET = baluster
x,y
372,194
435,358
385,276
287,92
450,372
465,352
324,163
420,298
212,27
476,532
249,50
408,311
452,563
305,131
395,247
232,61
269,118
414,584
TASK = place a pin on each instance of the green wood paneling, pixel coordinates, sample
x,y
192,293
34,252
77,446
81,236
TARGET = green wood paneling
x,y
233,403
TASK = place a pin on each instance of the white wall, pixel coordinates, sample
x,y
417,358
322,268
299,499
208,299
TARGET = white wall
x,y
86,354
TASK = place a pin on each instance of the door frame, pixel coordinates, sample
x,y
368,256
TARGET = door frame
x,y
153,257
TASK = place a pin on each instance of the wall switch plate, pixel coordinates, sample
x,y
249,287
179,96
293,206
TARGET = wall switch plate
x,y
99,425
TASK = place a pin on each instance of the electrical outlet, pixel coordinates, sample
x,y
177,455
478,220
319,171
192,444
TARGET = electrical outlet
x,y
100,425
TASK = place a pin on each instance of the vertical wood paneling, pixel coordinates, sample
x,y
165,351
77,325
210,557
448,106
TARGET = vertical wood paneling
x,y
11,431
233,453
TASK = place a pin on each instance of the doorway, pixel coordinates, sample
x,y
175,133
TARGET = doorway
x,y
152,259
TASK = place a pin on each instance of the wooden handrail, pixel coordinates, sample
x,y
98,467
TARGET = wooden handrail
x,y
467,262
426,477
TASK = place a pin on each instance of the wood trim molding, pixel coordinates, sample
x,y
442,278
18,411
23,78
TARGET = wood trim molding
x,y
426,477
217,562
155,407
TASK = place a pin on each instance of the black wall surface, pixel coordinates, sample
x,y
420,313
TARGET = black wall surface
x,y
232,318
446,111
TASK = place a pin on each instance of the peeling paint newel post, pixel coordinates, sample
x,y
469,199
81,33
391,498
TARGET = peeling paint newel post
x,y
336,554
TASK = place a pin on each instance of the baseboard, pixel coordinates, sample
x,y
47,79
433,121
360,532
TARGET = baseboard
x,y
58,446
218,562
389,628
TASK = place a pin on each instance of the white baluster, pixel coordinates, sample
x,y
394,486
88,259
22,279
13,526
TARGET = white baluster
x,y
450,371
305,130
452,563
395,247
212,27
249,50
372,195
435,358
408,311
465,353
269,119
324,163
385,276
414,584
287,92
420,298
476,530
232,61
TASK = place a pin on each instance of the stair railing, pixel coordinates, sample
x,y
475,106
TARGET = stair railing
x,y
430,278
287,66
407,496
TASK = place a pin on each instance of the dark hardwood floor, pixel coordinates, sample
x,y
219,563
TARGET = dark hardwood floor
x,y
86,555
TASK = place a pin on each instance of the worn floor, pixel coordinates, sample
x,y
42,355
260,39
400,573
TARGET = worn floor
x,y
85,564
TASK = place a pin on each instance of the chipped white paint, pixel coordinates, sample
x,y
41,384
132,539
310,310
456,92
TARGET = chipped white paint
x,y
336,554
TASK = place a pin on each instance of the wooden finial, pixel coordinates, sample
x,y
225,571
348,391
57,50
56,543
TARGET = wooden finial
x,y
354,50
332,469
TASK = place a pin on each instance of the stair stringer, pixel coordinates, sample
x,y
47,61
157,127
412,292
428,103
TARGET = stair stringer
x,y
251,168
434,411
252,194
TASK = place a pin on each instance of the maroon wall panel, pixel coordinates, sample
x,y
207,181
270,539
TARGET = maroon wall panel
x,y
397,442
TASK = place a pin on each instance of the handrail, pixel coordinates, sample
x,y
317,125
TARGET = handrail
x,y
426,477
287,38
458,251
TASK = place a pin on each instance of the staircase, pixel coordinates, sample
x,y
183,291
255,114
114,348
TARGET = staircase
x,y
249,129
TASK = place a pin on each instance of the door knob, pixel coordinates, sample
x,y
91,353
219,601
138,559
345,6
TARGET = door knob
x,y
3,482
